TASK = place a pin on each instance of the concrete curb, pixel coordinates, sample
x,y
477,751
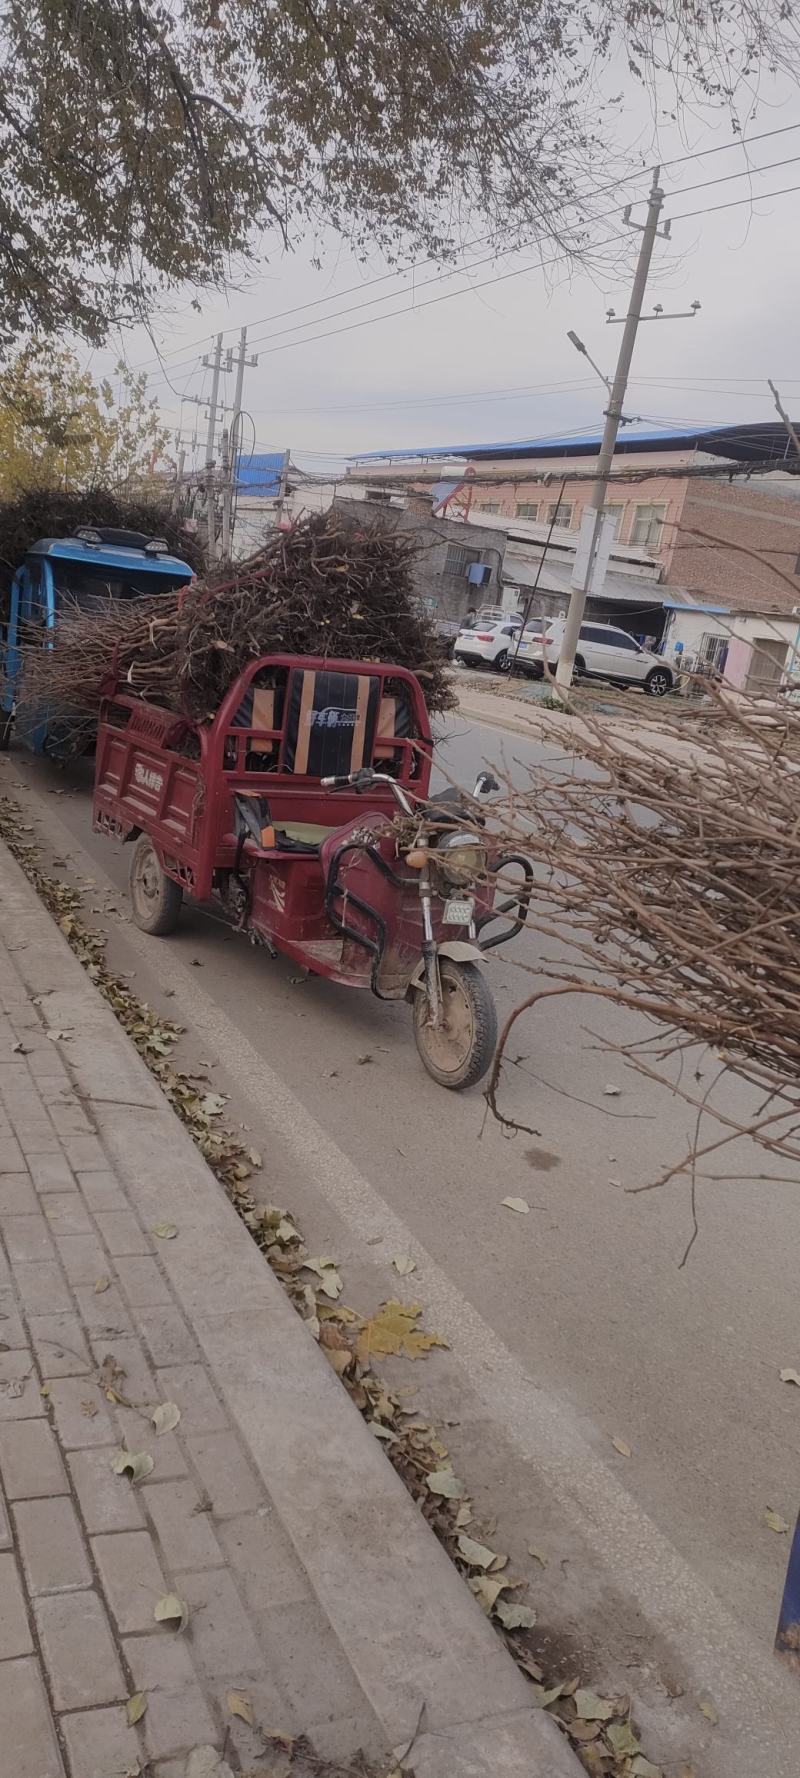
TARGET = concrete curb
x,y
407,1624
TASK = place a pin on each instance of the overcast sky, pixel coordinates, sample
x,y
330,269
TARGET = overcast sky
x,y
494,363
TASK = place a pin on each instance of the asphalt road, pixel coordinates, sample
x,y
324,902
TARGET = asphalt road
x,y
586,1291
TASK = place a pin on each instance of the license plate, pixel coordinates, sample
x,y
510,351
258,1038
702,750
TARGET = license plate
x,y
458,912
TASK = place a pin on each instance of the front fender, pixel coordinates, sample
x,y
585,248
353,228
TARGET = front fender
x,y
461,951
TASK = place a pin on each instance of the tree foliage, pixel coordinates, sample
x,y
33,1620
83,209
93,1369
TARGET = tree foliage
x,y
60,429
149,142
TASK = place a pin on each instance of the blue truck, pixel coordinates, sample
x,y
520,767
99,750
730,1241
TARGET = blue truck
x,y
63,573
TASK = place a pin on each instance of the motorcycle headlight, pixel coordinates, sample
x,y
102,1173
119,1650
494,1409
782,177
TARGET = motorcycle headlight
x,y
461,858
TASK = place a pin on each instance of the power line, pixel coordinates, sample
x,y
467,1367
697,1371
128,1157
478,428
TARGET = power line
x,y
762,197
487,283
417,265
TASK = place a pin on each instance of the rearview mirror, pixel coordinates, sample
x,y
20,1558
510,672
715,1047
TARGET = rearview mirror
x,y
485,783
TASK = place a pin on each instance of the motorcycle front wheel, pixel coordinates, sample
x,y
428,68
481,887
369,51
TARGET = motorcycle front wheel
x,y
458,1052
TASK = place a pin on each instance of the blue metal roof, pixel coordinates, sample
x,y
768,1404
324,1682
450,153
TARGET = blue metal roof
x,y
746,441
261,474
71,549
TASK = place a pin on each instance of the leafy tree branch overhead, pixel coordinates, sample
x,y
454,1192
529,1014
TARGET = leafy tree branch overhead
x,y
151,142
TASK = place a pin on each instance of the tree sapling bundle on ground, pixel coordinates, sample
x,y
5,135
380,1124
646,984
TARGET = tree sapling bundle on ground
x,y
330,586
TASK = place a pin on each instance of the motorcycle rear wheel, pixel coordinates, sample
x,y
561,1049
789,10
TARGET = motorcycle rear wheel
x,y
458,1052
155,898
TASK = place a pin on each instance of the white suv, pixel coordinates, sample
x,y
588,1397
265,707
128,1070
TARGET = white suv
x,y
603,652
489,643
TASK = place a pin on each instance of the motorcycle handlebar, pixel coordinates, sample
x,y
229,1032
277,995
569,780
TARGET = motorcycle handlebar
x,y
363,780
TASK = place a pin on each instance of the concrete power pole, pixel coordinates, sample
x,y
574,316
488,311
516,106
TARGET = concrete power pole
x,y
215,366
232,439
577,604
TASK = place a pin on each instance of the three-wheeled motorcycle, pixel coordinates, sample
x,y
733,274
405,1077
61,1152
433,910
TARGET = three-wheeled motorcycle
x,y
303,806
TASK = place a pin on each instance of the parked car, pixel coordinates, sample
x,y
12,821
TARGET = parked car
x,y
603,652
488,644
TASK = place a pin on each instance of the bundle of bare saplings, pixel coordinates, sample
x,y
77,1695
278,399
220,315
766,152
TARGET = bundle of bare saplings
x,y
668,876
330,586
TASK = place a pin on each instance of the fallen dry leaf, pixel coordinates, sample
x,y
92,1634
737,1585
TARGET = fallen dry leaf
x,y
710,1712
644,1768
393,1330
330,1281
166,1416
136,1464
621,1737
612,1092
170,1609
136,1707
444,1482
620,1445
464,1516
790,1376
578,1730
339,1359
477,1555
487,1591
405,1265
239,1705
101,1285
88,1409
166,1231
591,1706
538,1555
518,1204
773,1521
515,1617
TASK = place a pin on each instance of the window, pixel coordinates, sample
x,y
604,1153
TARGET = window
x,y
527,510
713,650
648,524
490,506
459,559
560,515
621,639
615,510
595,633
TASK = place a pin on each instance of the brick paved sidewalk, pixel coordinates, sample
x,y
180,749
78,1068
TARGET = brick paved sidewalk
x,y
90,1554
313,1585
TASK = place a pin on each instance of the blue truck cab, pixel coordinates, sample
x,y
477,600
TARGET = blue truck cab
x,y
59,573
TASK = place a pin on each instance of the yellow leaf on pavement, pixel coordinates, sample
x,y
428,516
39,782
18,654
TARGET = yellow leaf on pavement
x,y
477,1555
594,1708
620,1445
166,1416
166,1231
136,1707
170,1609
773,1521
136,1464
239,1705
393,1331
444,1482
789,1375
518,1204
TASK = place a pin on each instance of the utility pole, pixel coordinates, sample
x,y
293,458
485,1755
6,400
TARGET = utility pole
x,y
227,500
215,366
577,604
232,440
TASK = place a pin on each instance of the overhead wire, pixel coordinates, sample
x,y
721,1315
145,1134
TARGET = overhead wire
x,y
384,277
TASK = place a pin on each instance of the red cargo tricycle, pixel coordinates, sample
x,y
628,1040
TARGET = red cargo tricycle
x,y
303,806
